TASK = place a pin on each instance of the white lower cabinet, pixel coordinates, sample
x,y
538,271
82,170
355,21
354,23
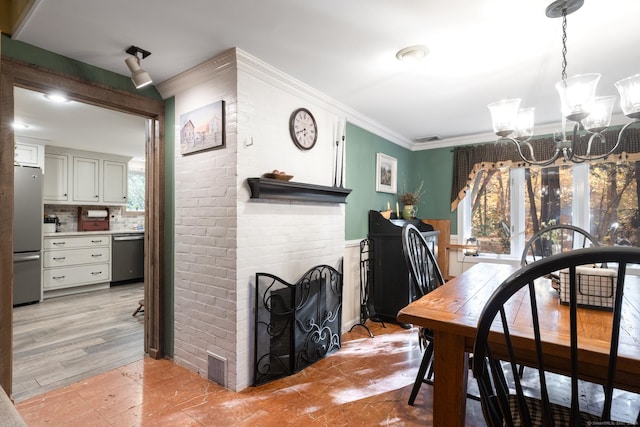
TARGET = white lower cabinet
x,y
73,264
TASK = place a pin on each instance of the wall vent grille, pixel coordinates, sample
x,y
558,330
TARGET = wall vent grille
x,y
216,369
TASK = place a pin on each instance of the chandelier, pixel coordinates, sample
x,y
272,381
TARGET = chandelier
x,y
590,115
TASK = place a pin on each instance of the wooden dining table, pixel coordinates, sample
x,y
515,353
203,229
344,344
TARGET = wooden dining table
x,y
452,312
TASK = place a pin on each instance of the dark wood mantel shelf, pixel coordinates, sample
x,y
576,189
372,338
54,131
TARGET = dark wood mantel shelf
x,y
268,188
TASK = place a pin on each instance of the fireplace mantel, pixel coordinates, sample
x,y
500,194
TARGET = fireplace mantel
x,y
268,188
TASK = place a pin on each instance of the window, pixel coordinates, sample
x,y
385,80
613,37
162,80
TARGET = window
x,y
506,207
615,217
548,197
136,186
490,211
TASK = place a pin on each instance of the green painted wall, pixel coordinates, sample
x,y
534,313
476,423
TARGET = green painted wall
x,y
361,149
34,55
169,221
433,167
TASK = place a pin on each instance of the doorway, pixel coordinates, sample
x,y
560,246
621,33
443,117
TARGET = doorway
x,y
79,331
18,74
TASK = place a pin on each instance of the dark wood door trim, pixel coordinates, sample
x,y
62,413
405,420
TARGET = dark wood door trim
x,y
17,73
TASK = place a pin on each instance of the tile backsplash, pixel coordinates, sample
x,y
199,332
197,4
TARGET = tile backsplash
x,y
68,217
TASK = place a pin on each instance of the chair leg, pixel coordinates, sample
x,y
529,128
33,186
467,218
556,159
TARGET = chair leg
x,y
422,371
140,308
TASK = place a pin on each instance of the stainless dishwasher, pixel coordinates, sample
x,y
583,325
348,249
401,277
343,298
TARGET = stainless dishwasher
x,y
127,258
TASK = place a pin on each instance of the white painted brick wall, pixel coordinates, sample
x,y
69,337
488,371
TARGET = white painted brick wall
x,y
222,238
205,229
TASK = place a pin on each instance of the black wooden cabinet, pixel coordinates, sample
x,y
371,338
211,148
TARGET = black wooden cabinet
x,y
391,289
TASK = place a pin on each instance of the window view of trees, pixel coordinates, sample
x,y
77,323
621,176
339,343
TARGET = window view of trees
x,y
136,188
490,212
546,196
615,213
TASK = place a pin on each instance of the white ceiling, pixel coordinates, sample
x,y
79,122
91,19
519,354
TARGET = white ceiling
x,y
76,125
480,51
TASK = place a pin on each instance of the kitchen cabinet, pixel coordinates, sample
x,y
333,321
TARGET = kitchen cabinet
x,y
86,174
73,264
114,182
56,178
28,153
83,177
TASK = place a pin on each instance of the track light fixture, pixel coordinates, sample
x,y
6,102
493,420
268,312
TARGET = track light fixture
x,y
139,76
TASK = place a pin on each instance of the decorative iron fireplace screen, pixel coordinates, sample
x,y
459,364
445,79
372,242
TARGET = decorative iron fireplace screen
x,y
296,324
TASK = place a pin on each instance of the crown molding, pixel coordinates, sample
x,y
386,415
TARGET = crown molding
x,y
247,63
199,74
271,75
487,137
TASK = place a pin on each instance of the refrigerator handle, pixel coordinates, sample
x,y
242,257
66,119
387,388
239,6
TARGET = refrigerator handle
x,y
22,258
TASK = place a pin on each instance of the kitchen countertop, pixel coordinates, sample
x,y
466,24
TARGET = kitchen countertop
x,y
89,233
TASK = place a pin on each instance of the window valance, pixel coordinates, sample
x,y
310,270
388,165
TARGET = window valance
x,y
468,160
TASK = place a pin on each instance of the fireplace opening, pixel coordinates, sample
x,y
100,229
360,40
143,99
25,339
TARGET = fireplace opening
x,y
296,324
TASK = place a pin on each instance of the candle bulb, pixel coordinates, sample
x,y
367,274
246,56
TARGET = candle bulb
x,y
388,206
397,210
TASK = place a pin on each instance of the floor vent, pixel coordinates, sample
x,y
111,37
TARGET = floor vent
x,y
216,369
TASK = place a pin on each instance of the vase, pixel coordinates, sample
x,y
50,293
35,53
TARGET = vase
x,y
408,212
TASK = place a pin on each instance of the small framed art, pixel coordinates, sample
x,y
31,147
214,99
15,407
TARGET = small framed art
x,y
202,129
386,173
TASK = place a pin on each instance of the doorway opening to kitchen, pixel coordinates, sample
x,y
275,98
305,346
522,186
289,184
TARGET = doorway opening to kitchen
x,y
91,274
150,112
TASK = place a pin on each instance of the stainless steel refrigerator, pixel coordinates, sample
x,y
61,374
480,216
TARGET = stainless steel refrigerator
x,y
27,235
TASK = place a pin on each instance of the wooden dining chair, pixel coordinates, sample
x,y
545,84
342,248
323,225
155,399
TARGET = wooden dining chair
x,y
509,400
541,245
425,276
555,239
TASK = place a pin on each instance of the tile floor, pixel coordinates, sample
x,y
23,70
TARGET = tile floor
x,y
367,382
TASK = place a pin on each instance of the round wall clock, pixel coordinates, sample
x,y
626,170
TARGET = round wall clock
x,y
303,129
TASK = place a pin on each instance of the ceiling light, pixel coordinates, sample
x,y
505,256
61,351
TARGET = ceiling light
x,y
56,97
139,77
20,125
412,53
591,115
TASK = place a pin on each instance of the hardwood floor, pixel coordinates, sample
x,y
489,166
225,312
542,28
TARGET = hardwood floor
x,y
366,383
63,340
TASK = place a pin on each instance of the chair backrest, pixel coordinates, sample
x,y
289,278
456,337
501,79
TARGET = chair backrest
x,y
524,292
554,239
424,272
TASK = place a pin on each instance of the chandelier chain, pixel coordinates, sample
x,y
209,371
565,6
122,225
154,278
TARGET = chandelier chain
x,y
564,44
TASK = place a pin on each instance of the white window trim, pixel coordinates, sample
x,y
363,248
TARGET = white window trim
x,y
581,217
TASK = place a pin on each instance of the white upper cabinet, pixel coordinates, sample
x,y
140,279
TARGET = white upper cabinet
x,y
56,178
94,178
86,175
29,151
114,182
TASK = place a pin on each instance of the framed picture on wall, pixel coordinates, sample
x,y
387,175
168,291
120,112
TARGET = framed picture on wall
x,y
202,129
386,173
